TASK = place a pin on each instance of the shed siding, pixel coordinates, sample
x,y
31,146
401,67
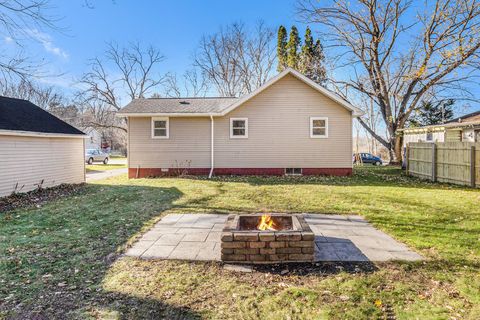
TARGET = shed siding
x,y
26,161
279,134
438,136
453,135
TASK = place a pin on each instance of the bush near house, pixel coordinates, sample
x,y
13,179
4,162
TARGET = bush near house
x,y
61,259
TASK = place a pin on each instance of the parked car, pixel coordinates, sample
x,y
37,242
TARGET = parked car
x,y
95,155
368,158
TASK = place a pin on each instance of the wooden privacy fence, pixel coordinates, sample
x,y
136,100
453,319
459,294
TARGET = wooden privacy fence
x,y
452,162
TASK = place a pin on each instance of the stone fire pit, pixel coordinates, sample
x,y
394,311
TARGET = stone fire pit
x,y
243,242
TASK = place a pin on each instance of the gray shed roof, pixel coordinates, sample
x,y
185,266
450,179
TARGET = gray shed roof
x,y
178,105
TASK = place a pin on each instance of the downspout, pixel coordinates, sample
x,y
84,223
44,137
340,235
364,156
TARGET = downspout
x,y
212,154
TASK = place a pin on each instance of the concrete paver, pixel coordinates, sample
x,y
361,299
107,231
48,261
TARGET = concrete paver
x,y
337,238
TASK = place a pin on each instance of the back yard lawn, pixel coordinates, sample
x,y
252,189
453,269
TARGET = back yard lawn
x,y
61,260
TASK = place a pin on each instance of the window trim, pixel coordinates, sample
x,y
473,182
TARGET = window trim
x,y
167,127
231,128
293,174
314,136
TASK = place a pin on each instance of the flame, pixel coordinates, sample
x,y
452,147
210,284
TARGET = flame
x,y
267,223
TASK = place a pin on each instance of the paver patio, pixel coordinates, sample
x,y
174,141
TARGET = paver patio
x,y
337,238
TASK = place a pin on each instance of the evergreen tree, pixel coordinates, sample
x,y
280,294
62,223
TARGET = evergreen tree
x,y
293,58
310,60
432,114
306,56
282,48
316,70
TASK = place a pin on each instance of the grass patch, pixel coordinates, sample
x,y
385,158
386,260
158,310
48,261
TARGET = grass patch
x,y
104,167
60,260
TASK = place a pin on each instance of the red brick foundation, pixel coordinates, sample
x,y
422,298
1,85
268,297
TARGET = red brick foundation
x,y
157,172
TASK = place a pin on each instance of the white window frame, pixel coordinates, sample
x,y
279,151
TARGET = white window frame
x,y
294,174
316,136
167,127
231,128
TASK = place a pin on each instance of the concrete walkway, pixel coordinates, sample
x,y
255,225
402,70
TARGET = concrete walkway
x,y
99,175
337,238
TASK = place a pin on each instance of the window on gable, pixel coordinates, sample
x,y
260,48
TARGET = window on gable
x,y
238,128
318,127
160,127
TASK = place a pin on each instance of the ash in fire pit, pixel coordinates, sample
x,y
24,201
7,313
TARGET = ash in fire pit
x,y
270,238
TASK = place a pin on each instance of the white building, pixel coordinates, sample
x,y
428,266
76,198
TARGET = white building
x,y
37,150
466,129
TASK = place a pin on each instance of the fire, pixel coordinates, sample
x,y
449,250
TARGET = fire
x,y
267,223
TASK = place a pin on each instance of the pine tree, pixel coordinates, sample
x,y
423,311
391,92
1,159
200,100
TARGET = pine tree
x,y
432,114
282,48
316,71
292,49
306,57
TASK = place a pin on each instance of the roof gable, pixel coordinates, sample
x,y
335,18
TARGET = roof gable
x,y
23,116
355,111
219,106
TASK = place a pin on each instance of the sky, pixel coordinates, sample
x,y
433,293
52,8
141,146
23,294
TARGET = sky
x,y
173,27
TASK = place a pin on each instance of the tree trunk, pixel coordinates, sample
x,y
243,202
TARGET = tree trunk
x,y
396,149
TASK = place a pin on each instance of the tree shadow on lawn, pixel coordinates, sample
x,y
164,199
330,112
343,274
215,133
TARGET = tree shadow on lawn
x,y
114,305
71,244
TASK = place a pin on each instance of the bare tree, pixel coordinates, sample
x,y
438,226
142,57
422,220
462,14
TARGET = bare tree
x,y
398,57
236,61
191,84
17,21
98,115
45,97
123,73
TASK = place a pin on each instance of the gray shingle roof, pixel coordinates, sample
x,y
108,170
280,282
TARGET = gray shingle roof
x,y
22,115
178,105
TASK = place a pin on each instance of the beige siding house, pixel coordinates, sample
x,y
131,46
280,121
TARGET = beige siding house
x,y
37,149
290,125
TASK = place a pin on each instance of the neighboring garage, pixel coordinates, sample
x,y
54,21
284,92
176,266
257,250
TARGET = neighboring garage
x,y
37,149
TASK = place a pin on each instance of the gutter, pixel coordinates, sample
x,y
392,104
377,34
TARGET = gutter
x,y
41,134
212,153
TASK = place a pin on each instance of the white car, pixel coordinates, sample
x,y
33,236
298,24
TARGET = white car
x,y
95,155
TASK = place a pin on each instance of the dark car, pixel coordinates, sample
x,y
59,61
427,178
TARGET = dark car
x,y
367,158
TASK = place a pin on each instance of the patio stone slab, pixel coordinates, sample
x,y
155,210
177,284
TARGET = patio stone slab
x,y
337,238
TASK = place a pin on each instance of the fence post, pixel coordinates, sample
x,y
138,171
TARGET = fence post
x,y
434,162
408,158
472,166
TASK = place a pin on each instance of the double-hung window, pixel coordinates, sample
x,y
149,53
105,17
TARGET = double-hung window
x,y
318,127
160,128
238,128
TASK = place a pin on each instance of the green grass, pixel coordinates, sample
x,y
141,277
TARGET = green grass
x,y
61,260
104,167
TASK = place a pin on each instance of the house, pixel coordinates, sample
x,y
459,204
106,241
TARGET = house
x,y
94,138
37,149
465,128
290,125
